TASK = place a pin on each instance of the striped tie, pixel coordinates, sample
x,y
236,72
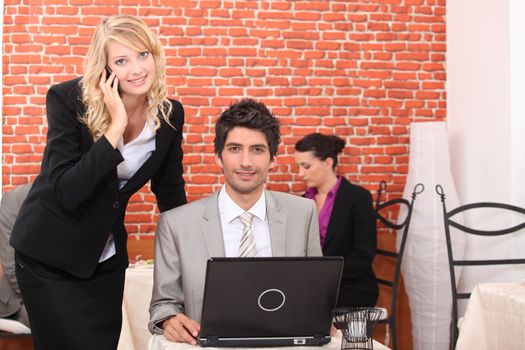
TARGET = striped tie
x,y
247,246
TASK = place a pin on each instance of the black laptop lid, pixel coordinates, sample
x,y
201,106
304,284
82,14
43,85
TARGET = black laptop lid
x,y
270,297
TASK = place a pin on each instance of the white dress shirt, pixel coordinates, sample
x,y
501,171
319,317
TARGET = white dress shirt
x,y
232,226
135,154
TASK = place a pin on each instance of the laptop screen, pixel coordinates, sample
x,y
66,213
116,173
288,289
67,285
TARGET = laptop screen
x,y
270,297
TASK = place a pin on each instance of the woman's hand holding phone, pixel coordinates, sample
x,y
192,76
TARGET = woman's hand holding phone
x,y
119,117
108,73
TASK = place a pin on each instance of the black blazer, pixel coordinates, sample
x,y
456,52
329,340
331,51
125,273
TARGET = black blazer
x,y
351,233
75,202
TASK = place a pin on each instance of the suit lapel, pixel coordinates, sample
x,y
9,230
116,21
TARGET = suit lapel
x,y
112,182
212,228
86,141
276,225
339,210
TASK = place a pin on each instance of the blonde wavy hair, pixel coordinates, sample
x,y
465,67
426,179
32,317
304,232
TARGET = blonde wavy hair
x,y
135,34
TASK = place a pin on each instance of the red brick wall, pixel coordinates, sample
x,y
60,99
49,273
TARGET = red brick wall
x,y
360,69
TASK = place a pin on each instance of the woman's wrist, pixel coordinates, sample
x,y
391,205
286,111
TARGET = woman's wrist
x,y
113,135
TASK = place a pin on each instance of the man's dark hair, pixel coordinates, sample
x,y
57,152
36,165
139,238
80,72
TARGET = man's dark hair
x,y
249,114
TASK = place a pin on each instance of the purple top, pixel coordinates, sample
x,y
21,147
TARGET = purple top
x,y
326,211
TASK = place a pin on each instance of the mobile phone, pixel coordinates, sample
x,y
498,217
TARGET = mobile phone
x,y
108,73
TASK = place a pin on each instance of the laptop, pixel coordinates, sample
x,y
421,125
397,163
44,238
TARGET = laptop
x,y
285,301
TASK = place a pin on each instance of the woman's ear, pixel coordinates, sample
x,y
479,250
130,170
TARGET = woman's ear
x,y
329,162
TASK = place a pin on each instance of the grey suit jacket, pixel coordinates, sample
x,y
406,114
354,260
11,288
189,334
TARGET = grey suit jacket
x,y
189,235
10,297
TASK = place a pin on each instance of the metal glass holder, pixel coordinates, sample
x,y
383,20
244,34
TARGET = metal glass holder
x,y
357,325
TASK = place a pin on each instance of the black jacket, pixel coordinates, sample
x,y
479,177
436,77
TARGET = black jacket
x,y
75,202
351,233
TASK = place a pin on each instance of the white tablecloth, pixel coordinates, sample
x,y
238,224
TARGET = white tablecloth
x,y
135,315
158,342
495,318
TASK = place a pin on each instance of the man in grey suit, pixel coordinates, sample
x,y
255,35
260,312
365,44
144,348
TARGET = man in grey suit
x,y
246,139
11,304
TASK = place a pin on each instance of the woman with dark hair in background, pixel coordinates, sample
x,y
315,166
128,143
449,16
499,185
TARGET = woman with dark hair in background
x,y
347,221
109,132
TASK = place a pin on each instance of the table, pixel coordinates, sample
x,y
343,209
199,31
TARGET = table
x,y
158,342
135,316
135,308
495,318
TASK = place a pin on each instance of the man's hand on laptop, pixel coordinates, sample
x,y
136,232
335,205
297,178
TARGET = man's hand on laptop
x,y
182,329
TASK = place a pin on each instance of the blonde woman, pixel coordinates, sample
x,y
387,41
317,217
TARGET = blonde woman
x,y
109,133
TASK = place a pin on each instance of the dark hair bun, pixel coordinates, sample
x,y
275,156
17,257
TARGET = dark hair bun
x,y
338,143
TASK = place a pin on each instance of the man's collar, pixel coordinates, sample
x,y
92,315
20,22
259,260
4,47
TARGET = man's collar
x,y
231,210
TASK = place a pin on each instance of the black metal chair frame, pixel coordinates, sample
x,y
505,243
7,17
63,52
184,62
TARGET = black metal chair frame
x,y
448,221
405,225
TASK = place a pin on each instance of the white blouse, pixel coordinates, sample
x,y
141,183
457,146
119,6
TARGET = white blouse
x,y
135,154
